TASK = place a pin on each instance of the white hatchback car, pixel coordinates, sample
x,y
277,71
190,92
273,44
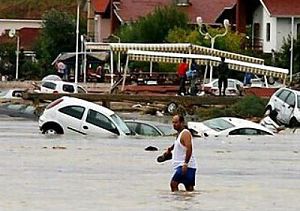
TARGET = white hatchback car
x,y
284,105
73,115
228,126
53,86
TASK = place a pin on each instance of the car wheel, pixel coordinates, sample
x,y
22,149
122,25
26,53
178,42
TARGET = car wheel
x,y
52,129
270,112
293,123
172,108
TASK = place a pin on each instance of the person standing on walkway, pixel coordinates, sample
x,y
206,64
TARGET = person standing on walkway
x,y
184,162
181,72
223,72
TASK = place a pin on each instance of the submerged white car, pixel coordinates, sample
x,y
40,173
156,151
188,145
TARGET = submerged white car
x,y
224,126
73,115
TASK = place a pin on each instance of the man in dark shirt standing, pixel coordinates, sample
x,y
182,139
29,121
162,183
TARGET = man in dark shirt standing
x,y
182,68
223,76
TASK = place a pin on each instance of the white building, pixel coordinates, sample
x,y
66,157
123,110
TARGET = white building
x,y
274,21
17,24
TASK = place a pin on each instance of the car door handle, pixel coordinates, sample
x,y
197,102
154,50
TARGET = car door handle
x,y
85,127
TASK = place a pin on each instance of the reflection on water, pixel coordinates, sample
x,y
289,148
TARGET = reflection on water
x,y
40,172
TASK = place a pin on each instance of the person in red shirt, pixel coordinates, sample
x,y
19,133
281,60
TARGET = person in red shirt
x,y
181,72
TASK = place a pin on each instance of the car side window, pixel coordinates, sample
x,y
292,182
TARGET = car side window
x,y
244,131
283,95
132,126
49,85
73,111
248,131
68,88
291,100
99,120
147,130
80,90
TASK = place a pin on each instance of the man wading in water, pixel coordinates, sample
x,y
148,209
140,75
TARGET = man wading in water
x,y
183,159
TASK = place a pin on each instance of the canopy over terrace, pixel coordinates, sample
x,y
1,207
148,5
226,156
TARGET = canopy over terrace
x,y
170,47
242,66
166,47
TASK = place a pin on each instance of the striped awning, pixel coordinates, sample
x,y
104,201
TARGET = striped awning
x,y
258,69
171,47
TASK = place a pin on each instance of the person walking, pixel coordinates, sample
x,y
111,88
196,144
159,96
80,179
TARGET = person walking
x,y
184,162
181,72
223,72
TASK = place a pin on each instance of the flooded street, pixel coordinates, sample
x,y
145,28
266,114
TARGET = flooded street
x,y
39,172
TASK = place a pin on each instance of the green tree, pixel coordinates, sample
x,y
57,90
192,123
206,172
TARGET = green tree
x,y
154,27
285,53
231,42
7,58
58,35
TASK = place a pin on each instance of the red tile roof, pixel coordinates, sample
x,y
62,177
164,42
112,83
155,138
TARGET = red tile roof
x,y
100,5
209,10
283,7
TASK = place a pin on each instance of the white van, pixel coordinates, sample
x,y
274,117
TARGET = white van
x,y
73,115
53,86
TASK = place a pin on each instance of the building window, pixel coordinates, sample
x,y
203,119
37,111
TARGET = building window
x,y
268,34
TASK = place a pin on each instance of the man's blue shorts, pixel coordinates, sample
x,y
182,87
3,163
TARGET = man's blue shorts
x,y
188,179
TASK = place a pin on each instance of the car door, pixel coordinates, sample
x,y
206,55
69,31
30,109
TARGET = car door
x,y
71,118
279,101
98,123
148,130
288,108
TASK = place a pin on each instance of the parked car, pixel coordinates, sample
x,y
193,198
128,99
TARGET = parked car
x,y
150,128
284,106
73,115
234,87
11,93
54,86
224,126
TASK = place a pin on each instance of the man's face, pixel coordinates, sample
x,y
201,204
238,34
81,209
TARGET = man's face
x,y
176,123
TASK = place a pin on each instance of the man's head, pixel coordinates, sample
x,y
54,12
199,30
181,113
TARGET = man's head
x,y
223,59
184,60
178,122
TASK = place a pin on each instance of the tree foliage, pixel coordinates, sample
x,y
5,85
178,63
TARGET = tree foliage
x,y
58,35
154,27
285,53
231,42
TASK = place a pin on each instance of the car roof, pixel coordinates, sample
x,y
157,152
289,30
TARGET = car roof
x,y
88,104
155,123
238,122
293,90
61,82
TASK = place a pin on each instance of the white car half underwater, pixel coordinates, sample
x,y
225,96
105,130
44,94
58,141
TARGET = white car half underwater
x,y
72,115
228,126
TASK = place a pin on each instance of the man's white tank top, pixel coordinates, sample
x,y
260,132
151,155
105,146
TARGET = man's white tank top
x,y
180,152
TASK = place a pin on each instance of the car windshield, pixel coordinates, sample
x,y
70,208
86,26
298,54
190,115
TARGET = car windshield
x,y
298,101
166,129
121,124
218,124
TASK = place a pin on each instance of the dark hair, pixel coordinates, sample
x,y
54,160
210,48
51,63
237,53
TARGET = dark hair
x,y
184,59
180,117
222,58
